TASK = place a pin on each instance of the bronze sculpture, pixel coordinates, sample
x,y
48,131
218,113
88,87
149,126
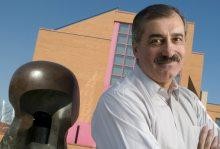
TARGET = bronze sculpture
x,y
45,97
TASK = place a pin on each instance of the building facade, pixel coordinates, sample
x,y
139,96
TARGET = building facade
x,y
214,112
98,51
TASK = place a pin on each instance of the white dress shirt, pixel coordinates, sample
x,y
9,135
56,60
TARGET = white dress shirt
x,y
137,113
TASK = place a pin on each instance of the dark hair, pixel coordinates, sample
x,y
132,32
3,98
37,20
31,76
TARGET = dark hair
x,y
149,13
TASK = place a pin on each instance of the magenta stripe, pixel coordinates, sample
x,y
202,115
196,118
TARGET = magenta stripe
x,y
111,56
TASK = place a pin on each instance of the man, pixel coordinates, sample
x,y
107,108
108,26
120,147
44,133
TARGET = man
x,y
148,110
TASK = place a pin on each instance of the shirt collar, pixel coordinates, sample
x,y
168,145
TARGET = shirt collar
x,y
148,83
175,89
152,87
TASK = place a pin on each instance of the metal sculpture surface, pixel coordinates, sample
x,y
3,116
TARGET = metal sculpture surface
x,y
45,97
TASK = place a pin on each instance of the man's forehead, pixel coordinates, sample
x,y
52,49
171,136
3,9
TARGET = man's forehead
x,y
158,35
164,26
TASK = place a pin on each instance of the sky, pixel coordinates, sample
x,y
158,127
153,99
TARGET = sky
x,y
21,20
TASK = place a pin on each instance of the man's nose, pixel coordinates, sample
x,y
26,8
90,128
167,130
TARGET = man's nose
x,y
168,49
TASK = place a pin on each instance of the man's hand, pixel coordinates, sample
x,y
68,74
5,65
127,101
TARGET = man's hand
x,y
207,139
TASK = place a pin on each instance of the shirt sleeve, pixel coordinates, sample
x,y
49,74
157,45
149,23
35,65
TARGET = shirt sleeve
x,y
119,125
204,118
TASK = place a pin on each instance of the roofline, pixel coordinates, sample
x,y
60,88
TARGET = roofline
x,y
213,104
190,22
51,30
198,52
124,11
86,18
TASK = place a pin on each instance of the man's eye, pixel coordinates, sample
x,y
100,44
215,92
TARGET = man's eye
x,y
156,42
178,39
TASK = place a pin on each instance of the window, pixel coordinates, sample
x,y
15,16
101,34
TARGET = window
x,y
120,49
124,60
114,79
217,120
129,61
119,59
129,50
129,40
124,28
122,39
117,70
127,70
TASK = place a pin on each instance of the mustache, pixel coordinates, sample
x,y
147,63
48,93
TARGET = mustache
x,y
166,59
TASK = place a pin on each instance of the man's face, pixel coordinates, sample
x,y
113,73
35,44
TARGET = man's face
x,y
161,50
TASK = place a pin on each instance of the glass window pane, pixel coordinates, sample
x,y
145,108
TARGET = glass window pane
x,y
114,79
119,60
217,121
129,40
129,61
122,38
130,51
120,49
123,28
130,30
117,70
127,70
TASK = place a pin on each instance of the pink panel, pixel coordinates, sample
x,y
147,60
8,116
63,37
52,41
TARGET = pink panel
x,y
80,134
71,134
111,56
